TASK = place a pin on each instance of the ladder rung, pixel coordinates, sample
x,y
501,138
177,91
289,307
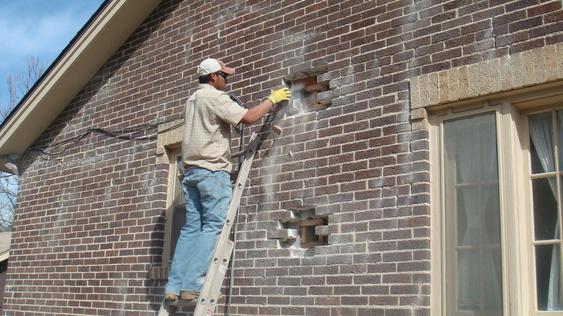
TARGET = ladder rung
x,y
182,303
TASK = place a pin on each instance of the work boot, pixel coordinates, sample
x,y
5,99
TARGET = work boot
x,y
170,297
189,295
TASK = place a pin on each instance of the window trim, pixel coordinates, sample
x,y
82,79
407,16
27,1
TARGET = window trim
x,y
168,144
514,197
509,198
528,189
515,193
172,153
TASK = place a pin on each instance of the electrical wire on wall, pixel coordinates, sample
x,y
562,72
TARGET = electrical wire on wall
x,y
134,133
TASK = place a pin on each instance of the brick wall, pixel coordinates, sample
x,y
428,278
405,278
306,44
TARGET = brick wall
x,y
89,223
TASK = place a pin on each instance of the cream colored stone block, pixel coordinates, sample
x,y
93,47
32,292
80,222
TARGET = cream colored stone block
x,y
419,114
469,73
495,76
473,80
516,71
443,87
480,79
501,74
538,60
527,68
560,58
503,65
453,84
463,83
423,92
551,61
420,125
433,88
168,134
160,158
484,79
160,150
415,88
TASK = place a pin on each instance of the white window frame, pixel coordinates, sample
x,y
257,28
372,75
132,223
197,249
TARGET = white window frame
x,y
527,185
518,261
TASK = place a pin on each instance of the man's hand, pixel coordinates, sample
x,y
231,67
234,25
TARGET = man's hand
x,y
279,95
257,112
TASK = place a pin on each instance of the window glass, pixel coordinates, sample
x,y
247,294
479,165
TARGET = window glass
x,y
548,278
541,144
472,214
545,208
545,157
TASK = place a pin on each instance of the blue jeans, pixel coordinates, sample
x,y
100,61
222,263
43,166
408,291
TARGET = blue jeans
x,y
207,194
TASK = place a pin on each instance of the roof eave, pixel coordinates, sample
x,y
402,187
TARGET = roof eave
x,y
86,54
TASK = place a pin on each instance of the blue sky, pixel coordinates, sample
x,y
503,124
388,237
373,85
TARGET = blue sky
x,y
37,28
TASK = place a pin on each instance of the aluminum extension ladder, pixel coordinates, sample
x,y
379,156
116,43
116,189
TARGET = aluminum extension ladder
x,y
207,302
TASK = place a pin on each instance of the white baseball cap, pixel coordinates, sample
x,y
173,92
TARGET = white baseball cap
x,y
210,65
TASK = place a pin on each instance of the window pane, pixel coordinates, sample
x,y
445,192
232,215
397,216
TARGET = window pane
x,y
479,270
471,144
468,276
472,216
545,208
474,219
541,143
548,277
490,262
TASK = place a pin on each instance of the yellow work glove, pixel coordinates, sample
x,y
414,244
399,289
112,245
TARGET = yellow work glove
x,y
279,95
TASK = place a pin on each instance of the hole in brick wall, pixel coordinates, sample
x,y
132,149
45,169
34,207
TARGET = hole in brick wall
x,y
300,229
309,234
309,91
312,228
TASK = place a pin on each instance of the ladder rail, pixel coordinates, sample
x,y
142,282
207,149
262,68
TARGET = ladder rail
x,y
207,301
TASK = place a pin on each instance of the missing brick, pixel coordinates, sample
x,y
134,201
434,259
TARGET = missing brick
x,y
309,91
309,232
299,229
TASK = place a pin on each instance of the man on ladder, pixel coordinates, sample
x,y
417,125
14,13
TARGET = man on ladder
x,y
206,152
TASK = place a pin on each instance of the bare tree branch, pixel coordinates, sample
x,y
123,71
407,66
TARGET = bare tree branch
x,y
17,85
